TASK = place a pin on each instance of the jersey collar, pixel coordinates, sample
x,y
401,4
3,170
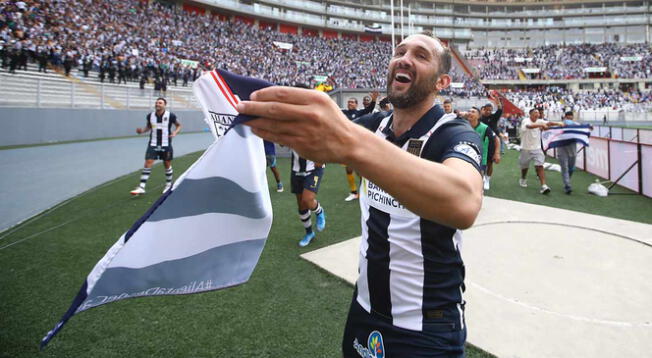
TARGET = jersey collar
x,y
420,128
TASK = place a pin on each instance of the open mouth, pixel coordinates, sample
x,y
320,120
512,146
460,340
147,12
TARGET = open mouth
x,y
403,78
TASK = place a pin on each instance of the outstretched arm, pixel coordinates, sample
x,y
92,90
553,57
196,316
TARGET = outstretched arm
x,y
449,193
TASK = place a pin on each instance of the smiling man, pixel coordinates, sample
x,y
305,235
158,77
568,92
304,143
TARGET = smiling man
x,y
422,185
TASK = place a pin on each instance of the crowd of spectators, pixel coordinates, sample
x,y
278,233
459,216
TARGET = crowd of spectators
x,y
558,99
564,62
131,39
135,40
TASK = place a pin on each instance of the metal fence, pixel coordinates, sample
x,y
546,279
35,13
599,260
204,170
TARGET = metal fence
x,y
55,93
620,155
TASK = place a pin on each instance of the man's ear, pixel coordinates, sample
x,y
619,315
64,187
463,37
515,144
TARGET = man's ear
x,y
443,81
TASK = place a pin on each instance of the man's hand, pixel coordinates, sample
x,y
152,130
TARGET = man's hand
x,y
305,120
374,95
495,99
139,130
496,158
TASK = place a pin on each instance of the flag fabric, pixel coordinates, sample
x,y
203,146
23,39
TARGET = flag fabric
x,y
559,136
209,230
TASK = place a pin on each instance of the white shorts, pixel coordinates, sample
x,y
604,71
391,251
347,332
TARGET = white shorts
x,y
528,156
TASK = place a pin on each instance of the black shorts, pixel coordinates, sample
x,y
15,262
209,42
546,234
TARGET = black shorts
x,y
310,181
162,153
369,332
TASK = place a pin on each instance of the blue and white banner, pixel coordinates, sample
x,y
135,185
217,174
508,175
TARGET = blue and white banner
x,y
559,136
209,230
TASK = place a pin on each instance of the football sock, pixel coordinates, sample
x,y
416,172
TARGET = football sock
x,y
304,215
144,176
351,180
317,210
169,173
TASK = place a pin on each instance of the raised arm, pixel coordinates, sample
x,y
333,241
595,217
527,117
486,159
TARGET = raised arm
x,y
371,106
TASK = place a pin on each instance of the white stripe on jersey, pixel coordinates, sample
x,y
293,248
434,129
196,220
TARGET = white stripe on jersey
x,y
163,127
406,275
362,284
301,166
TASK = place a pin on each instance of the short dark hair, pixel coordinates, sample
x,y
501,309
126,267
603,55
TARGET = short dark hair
x,y
353,98
569,113
488,105
533,109
476,108
162,99
448,101
445,58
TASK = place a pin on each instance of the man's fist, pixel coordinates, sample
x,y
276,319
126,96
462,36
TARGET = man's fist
x,y
139,130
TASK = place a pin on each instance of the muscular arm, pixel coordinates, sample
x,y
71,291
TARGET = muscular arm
x,y
449,193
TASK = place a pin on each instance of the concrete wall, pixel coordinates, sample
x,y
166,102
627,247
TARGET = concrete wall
x,y
39,125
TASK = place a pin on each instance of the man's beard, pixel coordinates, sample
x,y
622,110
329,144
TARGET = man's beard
x,y
416,93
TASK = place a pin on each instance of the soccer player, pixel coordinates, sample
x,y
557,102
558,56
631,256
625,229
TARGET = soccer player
x,y
422,186
491,119
352,113
270,156
159,125
305,178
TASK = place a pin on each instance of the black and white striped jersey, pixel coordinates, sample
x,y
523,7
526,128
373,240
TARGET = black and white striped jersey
x,y
302,166
410,268
161,126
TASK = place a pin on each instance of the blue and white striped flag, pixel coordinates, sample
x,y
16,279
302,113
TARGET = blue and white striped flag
x,y
209,230
559,136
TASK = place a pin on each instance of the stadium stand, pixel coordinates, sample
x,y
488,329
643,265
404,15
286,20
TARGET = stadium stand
x,y
139,43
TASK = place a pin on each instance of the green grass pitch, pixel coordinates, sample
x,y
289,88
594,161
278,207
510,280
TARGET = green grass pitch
x,y
289,308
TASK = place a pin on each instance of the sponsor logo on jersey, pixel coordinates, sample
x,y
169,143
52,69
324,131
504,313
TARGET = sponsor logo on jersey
x,y
375,347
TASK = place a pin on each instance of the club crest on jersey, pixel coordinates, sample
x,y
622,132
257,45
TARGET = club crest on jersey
x,y
375,347
470,150
221,121
414,146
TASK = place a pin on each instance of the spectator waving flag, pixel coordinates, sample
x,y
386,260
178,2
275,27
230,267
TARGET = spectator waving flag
x,y
558,136
209,230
